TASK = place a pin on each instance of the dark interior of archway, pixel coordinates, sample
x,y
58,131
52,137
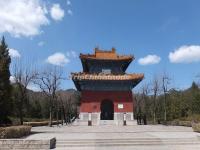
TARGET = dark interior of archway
x,y
107,110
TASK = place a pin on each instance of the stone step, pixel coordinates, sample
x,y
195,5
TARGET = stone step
x,y
107,122
135,147
129,139
125,142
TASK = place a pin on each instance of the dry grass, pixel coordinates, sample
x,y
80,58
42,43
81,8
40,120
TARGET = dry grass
x,y
179,123
185,123
42,123
14,132
196,127
194,117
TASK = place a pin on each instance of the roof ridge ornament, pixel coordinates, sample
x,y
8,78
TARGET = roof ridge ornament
x,y
113,49
96,49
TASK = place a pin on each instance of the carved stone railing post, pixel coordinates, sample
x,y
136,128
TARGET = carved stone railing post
x,y
124,122
89,119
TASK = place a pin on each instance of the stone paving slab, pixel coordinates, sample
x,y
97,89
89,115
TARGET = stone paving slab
x,y
129,137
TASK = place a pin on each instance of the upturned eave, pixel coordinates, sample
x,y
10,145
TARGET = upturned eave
x,y
104,77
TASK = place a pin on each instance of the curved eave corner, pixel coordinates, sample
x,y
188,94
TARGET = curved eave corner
x,y
77,81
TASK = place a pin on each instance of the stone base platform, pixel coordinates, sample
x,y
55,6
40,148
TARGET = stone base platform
x,y
104,122
95,119
32,144
112,137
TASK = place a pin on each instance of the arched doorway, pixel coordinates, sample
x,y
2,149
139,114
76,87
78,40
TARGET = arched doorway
x,y
107,110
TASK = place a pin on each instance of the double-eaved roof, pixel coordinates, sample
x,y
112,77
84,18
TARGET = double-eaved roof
x,y
105,70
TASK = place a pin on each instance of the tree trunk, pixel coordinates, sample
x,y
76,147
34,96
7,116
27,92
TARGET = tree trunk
x,y
64,115
154,117
57,116
61,115
154,111
50,117
165,110
21,117
21,112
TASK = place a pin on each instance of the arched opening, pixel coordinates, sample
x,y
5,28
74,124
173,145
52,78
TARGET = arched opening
x,y
107,110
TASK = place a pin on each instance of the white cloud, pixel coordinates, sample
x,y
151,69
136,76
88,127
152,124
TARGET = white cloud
x,y
12,79
149,60
22,17
70,12
58,59
33,87
57,13
71,54
41,43
14,53
185,54
74,54
68,2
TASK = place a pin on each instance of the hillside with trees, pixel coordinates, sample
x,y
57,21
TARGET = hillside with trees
x,y
19,104
165,106
37,107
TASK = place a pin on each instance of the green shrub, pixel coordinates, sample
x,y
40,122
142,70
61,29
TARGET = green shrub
x,y
14,132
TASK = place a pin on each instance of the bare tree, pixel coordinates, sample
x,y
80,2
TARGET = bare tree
x,y
155,90
49,82
145,92
137,101
61,98
69,102
165,84
140,99
23,77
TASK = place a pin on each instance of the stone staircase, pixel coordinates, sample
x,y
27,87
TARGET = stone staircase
x,y
62,144
92,143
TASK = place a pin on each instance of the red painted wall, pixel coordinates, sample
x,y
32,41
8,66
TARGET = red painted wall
x,y
91,100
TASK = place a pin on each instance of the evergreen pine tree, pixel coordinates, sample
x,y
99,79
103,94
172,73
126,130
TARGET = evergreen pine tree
x,y
5,87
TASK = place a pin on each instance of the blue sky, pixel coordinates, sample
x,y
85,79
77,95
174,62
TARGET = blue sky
x,y
56,31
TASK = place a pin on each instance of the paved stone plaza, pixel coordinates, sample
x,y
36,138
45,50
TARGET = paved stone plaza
x,y
138,137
